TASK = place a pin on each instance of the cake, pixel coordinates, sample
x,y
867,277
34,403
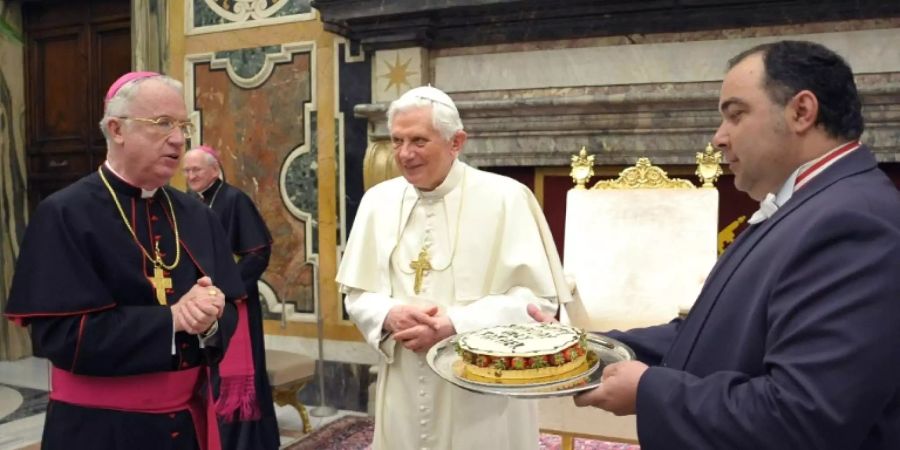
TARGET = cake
x,y
522,353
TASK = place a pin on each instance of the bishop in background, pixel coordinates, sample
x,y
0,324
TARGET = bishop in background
x,y
250,241
444,249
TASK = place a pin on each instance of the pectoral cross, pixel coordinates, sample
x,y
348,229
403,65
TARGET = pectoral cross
x,y
159,280
160,284
421,266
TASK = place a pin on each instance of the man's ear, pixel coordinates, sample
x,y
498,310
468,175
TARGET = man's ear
x,y
457,142
115,129
802,111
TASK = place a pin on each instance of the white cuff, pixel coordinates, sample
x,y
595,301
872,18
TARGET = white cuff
x,y
493,310
213,329
368,311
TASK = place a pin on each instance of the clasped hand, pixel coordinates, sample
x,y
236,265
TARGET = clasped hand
x,y
417,328
197,310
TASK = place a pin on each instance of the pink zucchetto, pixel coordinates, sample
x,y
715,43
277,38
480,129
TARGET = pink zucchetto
x,y
125,79
212,152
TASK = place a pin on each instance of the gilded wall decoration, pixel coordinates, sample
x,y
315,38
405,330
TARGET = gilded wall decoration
x,y
397,71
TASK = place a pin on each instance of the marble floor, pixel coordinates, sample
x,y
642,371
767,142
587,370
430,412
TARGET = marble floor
x,y
23,400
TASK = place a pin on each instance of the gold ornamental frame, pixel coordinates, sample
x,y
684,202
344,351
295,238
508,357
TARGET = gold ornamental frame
x,y
644,175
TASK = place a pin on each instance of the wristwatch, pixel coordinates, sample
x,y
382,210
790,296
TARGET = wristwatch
x,y
211,331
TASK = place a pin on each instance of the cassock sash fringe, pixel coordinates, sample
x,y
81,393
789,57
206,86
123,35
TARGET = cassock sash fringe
x,y
237,390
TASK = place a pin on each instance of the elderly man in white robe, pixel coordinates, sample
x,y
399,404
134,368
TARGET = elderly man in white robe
x,y
444,249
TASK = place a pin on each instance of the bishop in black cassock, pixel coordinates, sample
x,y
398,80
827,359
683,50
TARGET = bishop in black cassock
x,y
103,267
83,285
251,244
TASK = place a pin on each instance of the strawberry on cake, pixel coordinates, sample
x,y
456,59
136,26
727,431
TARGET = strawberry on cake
x,y
523,353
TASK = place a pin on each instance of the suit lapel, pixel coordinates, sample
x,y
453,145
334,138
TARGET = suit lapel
x,y
859,161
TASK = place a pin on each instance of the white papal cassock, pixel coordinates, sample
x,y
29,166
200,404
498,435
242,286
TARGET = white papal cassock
x,y
491,254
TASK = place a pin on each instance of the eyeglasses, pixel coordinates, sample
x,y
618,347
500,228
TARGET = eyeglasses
x,y
167,124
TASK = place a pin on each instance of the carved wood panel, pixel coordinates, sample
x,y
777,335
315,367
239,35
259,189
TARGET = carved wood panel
x,y
74,51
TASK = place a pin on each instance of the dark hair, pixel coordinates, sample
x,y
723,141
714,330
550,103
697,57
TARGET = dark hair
x,y
793,66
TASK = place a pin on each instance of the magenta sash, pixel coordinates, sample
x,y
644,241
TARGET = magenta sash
x,y
237,389
153,393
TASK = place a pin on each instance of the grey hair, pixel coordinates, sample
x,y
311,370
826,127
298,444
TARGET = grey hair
x,y
210,160
444,115
120,103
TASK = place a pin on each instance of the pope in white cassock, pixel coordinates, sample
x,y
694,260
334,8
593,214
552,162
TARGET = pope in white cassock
x,y
444,249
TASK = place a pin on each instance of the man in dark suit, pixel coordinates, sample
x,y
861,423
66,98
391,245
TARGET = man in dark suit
x,y
793,341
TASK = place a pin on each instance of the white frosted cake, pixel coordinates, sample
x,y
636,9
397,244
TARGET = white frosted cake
x,y
522,352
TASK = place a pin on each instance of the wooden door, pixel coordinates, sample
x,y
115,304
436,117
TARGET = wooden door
x,y
75,49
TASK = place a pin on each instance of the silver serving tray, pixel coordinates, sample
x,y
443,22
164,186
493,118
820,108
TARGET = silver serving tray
x,y
602,351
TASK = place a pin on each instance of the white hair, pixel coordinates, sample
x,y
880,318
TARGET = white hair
x,y
444,115
208,159
120,103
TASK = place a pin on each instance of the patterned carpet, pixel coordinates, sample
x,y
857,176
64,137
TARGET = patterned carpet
x,y
346,433
355,433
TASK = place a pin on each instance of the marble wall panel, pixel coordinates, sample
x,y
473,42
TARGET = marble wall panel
x,y
667,122
205,16
263,136
867,51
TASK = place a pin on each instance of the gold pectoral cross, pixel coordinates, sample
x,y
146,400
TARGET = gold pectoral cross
x,y
160,284
421,266
159,280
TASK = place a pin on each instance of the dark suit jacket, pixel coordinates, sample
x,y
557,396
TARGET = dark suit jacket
x,y
794,341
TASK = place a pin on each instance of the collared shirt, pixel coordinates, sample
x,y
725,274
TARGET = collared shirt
x,y
144,193
799,178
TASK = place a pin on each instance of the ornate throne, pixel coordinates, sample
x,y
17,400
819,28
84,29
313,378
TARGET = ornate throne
x,y
637,251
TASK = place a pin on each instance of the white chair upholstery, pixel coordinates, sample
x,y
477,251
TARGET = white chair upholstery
x,y
638,248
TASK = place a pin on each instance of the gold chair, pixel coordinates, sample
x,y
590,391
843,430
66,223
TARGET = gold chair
x,y
289,372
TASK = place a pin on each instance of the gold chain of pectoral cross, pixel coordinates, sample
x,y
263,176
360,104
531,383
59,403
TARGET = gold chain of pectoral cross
x,y
159,280
422,265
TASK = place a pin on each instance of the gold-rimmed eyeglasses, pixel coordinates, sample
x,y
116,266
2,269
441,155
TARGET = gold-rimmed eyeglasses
x,y
166,124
